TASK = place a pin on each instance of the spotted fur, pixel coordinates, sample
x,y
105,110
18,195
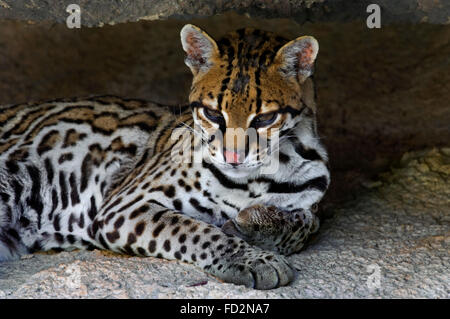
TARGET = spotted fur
x,y
101,172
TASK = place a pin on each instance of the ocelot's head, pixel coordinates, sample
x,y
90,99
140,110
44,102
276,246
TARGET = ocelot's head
x,y
250,90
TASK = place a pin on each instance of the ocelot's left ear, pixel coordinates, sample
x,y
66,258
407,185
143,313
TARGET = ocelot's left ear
x,y
297,57
200,48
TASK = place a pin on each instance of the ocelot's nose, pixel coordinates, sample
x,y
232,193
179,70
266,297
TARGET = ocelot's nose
x,y
233,157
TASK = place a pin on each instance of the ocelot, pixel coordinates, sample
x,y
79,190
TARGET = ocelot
x,y
232,191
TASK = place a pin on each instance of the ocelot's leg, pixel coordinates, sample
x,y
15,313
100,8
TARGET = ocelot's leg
x,y
152,230
273,229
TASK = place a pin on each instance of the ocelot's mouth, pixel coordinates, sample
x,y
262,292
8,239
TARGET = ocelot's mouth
x,y
235,171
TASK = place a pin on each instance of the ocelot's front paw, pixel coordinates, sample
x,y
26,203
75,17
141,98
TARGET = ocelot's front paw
x,y
254,268
272,229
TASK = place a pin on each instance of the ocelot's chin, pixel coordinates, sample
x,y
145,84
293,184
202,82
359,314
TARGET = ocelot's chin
x,y
237,172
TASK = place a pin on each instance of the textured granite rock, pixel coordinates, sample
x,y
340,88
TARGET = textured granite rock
x,y
392,240
101,12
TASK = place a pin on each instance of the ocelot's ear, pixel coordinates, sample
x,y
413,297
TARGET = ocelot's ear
x,y
199,46
297,57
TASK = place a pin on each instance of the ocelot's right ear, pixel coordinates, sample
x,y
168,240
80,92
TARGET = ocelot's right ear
x,y
200,48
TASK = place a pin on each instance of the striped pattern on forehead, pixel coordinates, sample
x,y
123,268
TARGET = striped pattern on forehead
x,y
247,52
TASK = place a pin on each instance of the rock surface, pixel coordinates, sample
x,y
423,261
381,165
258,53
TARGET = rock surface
x,y
101,12
391,241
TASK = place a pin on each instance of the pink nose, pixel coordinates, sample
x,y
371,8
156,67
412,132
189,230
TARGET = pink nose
x,y
231,157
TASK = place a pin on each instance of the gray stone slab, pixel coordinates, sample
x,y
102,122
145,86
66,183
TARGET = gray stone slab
x,y
101,12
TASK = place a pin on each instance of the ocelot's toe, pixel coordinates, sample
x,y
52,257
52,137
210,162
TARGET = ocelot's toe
x,y
256,269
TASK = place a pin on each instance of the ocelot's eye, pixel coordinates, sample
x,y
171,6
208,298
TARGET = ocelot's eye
x,y
264,119
213,115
